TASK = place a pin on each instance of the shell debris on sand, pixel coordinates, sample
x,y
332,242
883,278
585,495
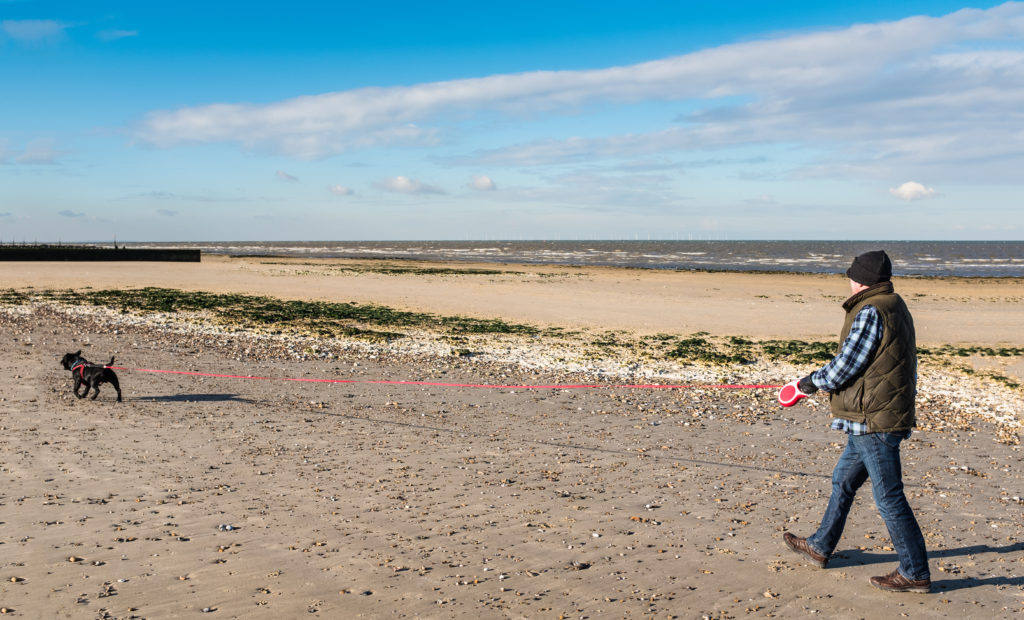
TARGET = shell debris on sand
x,y
954,398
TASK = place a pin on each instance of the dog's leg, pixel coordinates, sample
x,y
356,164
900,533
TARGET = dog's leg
x,y
112,379
95,386
78,384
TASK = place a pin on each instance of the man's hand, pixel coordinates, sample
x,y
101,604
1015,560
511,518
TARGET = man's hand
x,y
806,385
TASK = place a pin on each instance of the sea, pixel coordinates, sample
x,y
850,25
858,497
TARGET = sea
x,y
969,259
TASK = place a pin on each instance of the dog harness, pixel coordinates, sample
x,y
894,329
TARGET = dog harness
x,y
80,367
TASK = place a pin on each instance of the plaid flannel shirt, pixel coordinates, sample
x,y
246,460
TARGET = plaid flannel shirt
x,y
860,344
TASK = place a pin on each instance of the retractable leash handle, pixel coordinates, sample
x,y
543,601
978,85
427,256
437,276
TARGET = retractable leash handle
x,y
790,394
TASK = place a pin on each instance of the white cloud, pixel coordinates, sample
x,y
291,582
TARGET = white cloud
x,y
912,190
33,30
482,183
113,35
405,185
919,92
284,176
341,190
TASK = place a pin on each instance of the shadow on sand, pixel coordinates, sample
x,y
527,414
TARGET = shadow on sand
x,y
197,398
856,557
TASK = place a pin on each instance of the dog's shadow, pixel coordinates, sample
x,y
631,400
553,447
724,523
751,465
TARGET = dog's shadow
x,y
196,398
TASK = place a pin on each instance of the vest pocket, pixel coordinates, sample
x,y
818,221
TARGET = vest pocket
x,y
853,398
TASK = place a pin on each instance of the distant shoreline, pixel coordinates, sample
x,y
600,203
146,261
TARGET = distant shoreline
x,y
912,259
975,259
78,253
513,264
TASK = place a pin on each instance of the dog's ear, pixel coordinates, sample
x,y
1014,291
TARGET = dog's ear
x,y
79,352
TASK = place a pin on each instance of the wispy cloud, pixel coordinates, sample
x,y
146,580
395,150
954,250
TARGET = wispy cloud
x,y
114,35
39,152
912,190
920,91
175,197
70,213
763,199
405,185
284,176
341,190
166,212
158,195
33,30
605,191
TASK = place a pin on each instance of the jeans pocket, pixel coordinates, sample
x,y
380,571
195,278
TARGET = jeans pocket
x,y
891,440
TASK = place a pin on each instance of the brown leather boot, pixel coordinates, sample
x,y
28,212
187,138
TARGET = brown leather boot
x,y
895,582
800,546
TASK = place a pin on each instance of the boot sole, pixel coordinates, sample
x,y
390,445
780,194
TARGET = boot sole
x,y
914,589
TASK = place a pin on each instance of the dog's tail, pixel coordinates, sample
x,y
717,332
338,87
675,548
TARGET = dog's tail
x,y
111,361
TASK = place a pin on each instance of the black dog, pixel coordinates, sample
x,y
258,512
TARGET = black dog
x,y
89,374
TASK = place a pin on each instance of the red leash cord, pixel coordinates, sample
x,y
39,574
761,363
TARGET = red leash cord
x,y
459,385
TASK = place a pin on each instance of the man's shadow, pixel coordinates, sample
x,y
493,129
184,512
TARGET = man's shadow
x,y
949,585
857,557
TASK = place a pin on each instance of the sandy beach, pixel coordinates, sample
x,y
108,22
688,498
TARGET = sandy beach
x,y
954,310
294,495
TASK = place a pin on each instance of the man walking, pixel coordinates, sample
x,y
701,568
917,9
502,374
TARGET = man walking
x,y
872,382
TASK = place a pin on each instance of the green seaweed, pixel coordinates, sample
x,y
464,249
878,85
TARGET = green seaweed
x,y
949,350
318,316
399,270
1007,381
799,351
738,350
700,349
11,297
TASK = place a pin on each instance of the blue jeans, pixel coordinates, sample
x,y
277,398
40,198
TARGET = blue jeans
x,y
875,456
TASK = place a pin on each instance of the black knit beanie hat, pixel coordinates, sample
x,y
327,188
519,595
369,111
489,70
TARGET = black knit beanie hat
x,y
870,268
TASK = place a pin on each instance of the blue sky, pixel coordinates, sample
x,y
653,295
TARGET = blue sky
x,y
456,120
